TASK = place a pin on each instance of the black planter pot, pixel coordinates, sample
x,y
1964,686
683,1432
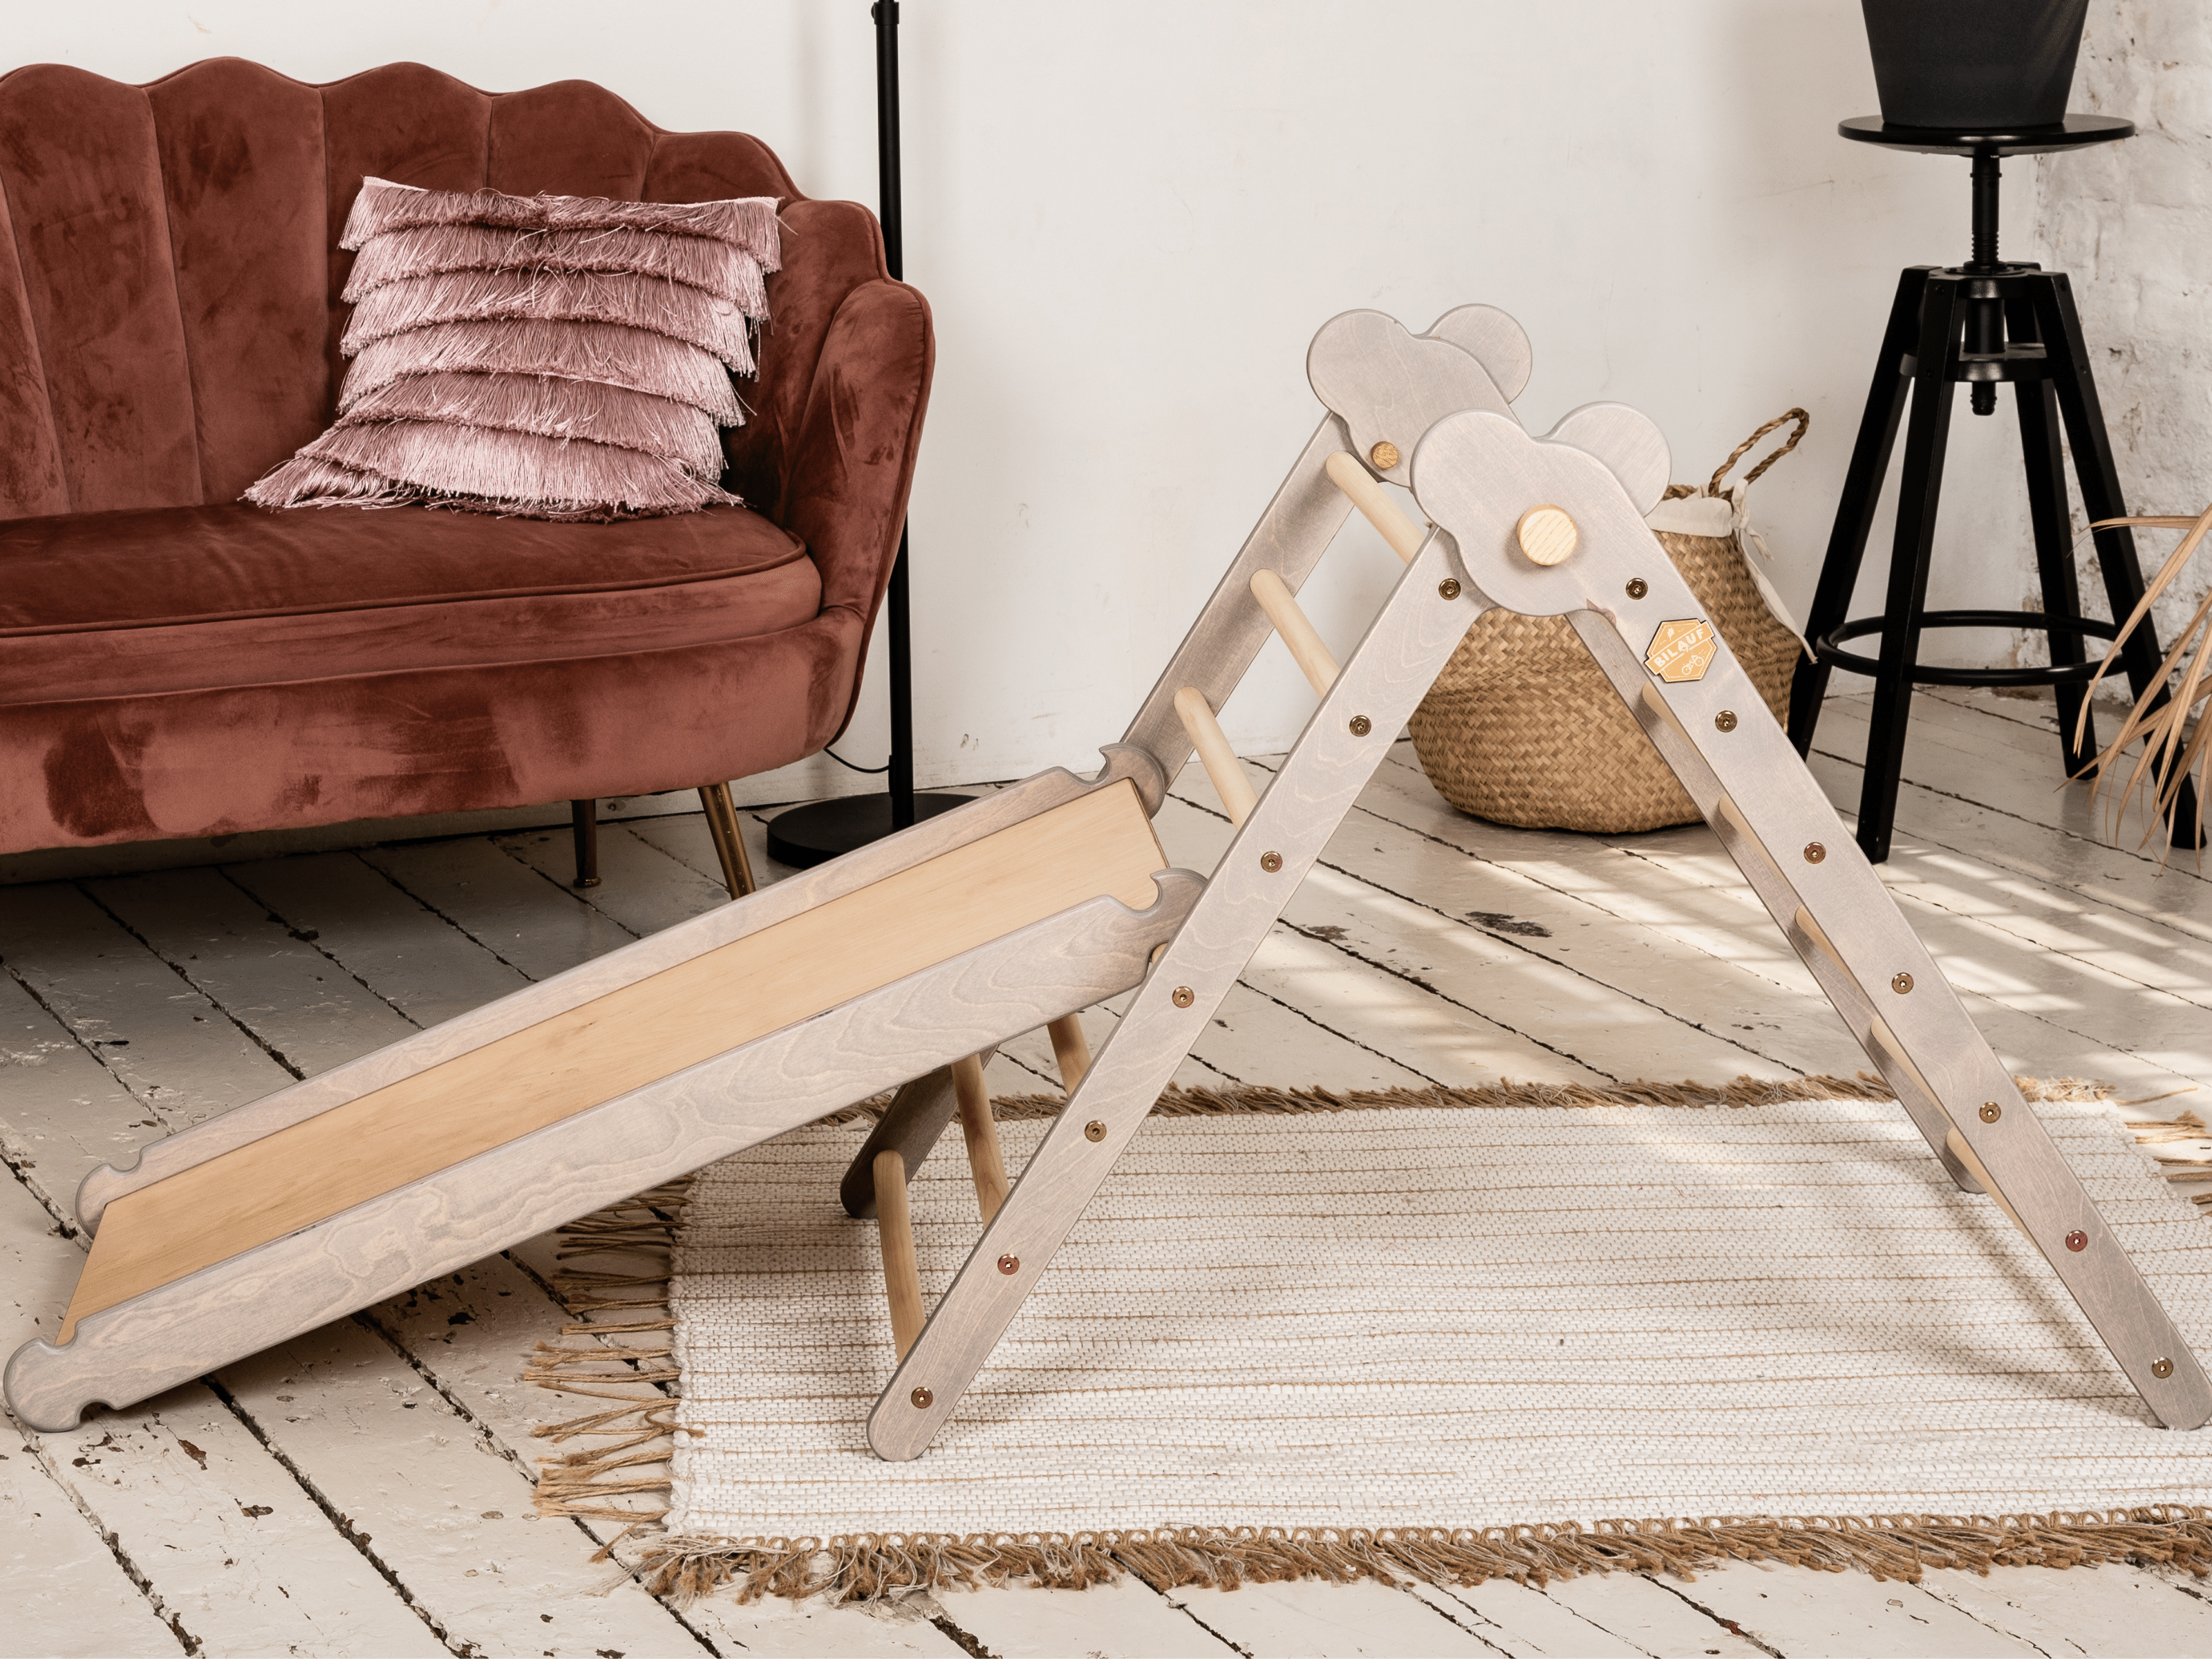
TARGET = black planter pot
x,y
1979,65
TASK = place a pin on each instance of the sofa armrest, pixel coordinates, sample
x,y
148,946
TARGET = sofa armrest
x,y
852,463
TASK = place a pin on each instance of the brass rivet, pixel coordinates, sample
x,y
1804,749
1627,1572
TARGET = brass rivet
x,y
1361,725
1384,455
1546,534
1991,1111
1184,996
2077,1240
921,1397
2161,1367
1637,587
1447,588
1901,983
1814,852
1010,1264
1094,1130
1725,721
1271,862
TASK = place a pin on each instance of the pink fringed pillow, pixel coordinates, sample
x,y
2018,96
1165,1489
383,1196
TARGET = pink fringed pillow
x,y
552,356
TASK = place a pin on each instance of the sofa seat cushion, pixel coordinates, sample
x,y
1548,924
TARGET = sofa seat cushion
x,y
164,600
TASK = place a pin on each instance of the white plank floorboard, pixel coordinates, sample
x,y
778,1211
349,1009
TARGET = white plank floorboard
x,y
1126,1620
2087,1611
1428,946
63,1591
375,930
225,1542
1807,1614
536,926
1313,1620
305,1009
1647,1614
168,1042
64,1112
1516,1620
641,888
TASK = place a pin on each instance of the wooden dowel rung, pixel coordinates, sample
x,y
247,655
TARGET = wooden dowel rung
x,y
987,1159
1297,633
1207,737
1404,536
1070,1049
901,1273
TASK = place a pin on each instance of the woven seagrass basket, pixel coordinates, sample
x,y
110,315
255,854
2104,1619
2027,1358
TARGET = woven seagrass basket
x,y
1522,728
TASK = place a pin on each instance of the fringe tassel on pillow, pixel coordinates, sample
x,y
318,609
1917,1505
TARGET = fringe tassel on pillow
x,y
636,358
696,262
689,314
551,408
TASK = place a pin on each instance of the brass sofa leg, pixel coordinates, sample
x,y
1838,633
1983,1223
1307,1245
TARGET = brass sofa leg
x,y
729,842
584,824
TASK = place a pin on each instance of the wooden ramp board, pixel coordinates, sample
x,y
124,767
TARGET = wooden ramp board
x,y
1101,844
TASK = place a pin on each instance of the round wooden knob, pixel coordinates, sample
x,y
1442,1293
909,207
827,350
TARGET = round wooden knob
x,y
1546,534
1384,455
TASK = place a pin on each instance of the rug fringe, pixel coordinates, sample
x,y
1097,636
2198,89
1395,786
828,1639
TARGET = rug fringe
x,y
602,1479
869,1565
634,1439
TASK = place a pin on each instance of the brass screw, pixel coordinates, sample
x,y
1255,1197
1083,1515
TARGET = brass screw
x,y
921,1397
1271,862
1901,983
1725,721
2077,1240
1094,1130
1184,996
1361,725
1447,588
1991,1111
1637,587
1010,1265
1814,852
1384,455
2161,1367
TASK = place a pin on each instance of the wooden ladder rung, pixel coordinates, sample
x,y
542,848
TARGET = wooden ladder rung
x,y
1207,737
1358,485
1297,633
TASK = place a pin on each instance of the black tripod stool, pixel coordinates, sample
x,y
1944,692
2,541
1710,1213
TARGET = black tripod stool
x,y
1982,323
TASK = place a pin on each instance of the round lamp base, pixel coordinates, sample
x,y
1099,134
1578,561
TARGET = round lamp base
x,y
807,836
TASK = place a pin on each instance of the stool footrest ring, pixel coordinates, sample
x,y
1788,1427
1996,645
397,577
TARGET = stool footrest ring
x,y
1828,647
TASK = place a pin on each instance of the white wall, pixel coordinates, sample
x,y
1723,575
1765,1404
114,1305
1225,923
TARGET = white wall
x,y
2133,223
1130,219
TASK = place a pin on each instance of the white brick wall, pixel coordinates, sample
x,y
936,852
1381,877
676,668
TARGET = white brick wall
x,y
2132,222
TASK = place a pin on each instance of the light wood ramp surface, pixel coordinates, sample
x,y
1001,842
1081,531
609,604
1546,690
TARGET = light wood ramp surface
x,y
1099,843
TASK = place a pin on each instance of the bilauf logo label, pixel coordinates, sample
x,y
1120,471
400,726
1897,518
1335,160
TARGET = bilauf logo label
x,y
1681,650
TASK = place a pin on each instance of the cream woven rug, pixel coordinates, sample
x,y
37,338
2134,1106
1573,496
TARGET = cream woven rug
x,y
1453,1341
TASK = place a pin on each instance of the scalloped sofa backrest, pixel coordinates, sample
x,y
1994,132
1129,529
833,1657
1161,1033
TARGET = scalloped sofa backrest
x,y
169,267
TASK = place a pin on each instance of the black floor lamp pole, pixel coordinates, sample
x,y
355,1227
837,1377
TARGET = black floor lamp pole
x,y
808,836
892,213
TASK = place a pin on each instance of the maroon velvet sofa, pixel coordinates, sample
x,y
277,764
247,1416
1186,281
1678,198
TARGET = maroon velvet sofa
x,y
175,664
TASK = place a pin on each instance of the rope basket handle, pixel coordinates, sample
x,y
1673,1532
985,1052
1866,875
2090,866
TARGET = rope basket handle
x,y
1804,421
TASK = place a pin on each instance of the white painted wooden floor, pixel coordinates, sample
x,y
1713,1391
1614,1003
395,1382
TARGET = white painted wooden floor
x,y
367,1490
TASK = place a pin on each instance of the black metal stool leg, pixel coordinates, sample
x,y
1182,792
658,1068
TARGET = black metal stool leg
x,y
2100,479
1926,439
1870,453
2054,549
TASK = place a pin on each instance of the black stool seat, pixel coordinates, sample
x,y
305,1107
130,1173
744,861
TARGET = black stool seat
x,y
1984,324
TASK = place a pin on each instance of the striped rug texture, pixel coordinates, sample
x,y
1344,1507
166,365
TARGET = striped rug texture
x,y
1441,1339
